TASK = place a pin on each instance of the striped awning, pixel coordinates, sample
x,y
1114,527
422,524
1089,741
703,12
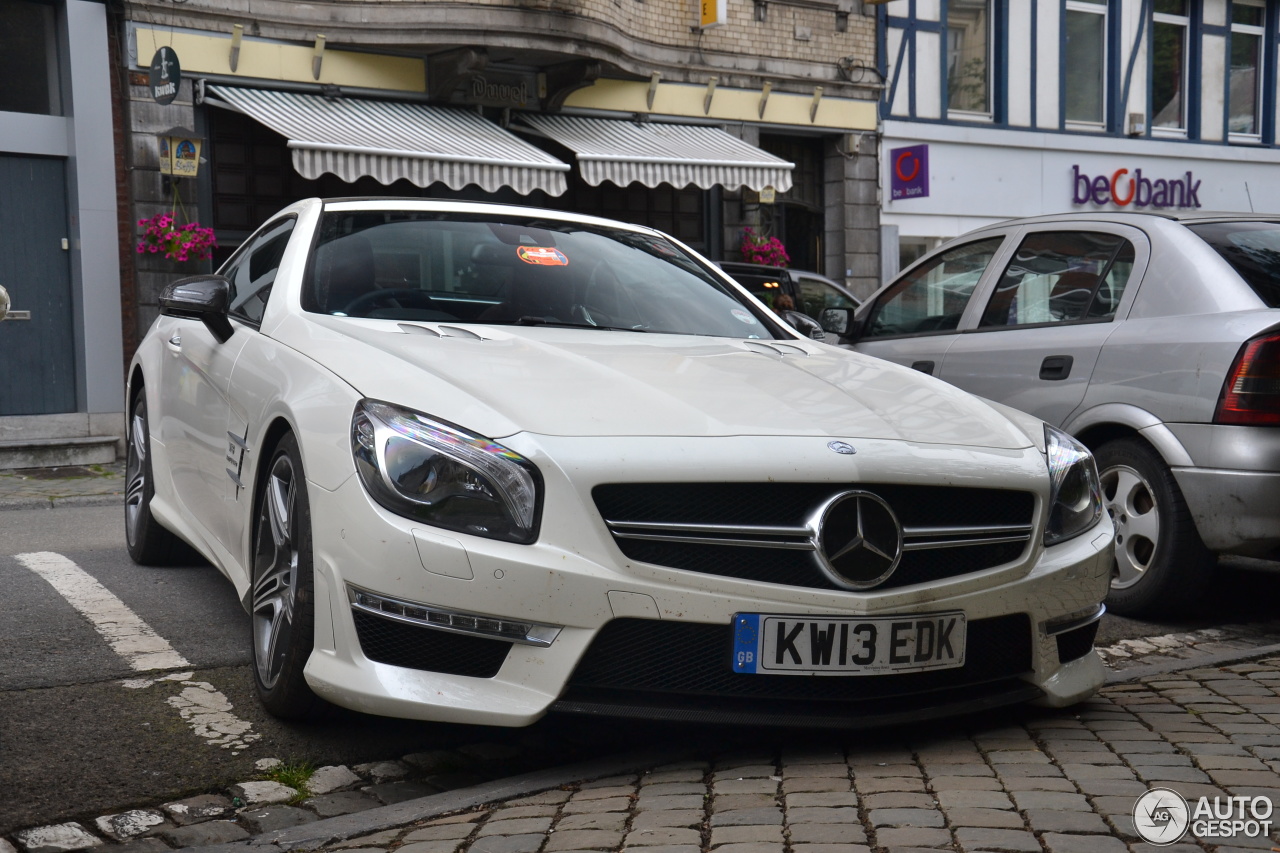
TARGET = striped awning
x,y
653,153
390,140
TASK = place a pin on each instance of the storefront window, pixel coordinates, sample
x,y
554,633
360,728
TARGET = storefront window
x,y
1086,61
1169,64
1247,27
28,58
969,56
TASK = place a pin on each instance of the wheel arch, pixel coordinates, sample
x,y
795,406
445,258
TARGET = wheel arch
x,y
1110,421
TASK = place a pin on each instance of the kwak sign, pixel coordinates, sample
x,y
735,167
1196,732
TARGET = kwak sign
x,y
909,172
165,75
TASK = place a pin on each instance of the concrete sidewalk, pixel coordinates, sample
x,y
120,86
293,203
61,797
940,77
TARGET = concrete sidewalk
x,y
36,488
1021,780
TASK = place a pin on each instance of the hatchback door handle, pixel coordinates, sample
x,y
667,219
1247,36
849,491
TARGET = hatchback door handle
x,y
923,366
1056,367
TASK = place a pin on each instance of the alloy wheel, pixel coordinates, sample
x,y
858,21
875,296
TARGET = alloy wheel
x,y
275,585
135,476
1131,502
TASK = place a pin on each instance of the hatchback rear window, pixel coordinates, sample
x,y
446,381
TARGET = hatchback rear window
x,y
1253,249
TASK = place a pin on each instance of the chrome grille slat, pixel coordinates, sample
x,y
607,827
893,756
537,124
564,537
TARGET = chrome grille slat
x,y
733,534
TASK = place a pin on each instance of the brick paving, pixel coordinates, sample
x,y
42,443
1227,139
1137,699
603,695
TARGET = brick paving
x,y
1031,780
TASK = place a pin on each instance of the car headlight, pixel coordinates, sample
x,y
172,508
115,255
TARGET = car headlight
x,y
442,475
1075,493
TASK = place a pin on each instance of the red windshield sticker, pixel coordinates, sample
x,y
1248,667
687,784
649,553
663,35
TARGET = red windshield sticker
x,y
543,256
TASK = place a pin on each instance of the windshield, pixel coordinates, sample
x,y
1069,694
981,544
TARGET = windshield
x,y
474,268
1253,249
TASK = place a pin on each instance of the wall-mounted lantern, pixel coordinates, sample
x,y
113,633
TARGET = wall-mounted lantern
x,y
179,150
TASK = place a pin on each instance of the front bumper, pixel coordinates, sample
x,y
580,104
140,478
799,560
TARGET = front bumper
x,y
576,578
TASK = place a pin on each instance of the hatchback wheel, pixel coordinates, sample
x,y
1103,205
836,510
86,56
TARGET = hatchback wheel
x,y
282,605
149,544
1160,565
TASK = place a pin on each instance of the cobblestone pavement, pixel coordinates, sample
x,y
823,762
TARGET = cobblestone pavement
x,y
1026,780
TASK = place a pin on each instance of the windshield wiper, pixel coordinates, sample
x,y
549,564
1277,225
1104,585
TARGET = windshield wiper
x,y
529,320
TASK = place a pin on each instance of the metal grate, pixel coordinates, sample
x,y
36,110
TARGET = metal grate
x,y
694,659
790,505
398,644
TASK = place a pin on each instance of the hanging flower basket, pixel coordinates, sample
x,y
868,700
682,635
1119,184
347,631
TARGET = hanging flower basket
x,y
163,235
763,250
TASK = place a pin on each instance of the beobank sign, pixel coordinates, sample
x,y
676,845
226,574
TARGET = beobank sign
x,y
1122,189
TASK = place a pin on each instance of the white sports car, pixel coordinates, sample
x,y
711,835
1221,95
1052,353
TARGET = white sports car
x,y
473,463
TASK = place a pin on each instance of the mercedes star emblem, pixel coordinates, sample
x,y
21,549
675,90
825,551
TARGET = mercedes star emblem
x,y
857,540
842,447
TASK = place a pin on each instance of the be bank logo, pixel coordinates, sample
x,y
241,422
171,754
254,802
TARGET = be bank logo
x,y
1121,189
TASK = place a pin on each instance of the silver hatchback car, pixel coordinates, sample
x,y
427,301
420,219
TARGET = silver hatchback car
x,y
1154,339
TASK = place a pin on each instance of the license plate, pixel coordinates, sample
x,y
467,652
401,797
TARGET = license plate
x,y
872,645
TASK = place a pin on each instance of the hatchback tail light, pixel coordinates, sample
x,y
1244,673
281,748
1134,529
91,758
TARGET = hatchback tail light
x,y
1251,394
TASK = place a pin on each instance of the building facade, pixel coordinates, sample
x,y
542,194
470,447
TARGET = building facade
x,y
1002,108
696,119
61,359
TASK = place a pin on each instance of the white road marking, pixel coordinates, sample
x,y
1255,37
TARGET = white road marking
x,y
200,704
130,637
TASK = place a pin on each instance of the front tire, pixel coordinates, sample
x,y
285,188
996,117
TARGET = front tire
x,y
149,544
1161,566
282,609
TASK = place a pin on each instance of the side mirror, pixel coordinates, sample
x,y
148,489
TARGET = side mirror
x,y
804,324
200,297
838,321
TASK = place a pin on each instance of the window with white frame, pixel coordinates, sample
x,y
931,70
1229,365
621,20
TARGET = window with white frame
x,y
1085,63
1248,18
1169,27
968,29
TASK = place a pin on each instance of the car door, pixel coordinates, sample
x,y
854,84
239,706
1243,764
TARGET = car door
x,y
915,320
195,383
1044,321
252,274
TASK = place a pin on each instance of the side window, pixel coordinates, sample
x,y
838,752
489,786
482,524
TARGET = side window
x,y
1061,277
816,296
253,271
932,297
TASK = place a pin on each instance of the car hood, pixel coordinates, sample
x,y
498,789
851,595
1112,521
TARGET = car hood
x,y
499,381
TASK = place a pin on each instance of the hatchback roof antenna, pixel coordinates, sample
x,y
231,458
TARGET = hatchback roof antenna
x,y
1250,195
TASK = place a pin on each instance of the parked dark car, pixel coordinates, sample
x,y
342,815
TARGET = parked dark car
x,y
810,293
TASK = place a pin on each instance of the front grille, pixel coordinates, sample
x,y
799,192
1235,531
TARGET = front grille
x,y
1074,645
692,659
948,531
413,647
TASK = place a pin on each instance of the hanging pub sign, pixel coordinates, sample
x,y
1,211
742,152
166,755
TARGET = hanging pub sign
x,y
179,151
166,75
711,13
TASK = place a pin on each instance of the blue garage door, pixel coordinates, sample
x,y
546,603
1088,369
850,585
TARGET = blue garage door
x,y
37,347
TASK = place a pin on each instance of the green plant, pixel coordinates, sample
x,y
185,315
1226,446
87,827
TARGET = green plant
x,y
295,776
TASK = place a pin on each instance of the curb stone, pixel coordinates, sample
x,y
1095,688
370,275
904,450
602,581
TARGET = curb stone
x,y
338,829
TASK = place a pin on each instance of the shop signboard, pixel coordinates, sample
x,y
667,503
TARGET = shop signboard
x,y
909,175
165,75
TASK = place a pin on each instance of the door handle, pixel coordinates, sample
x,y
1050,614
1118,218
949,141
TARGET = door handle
x,y
175,340
17,315
923,366
1056,367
